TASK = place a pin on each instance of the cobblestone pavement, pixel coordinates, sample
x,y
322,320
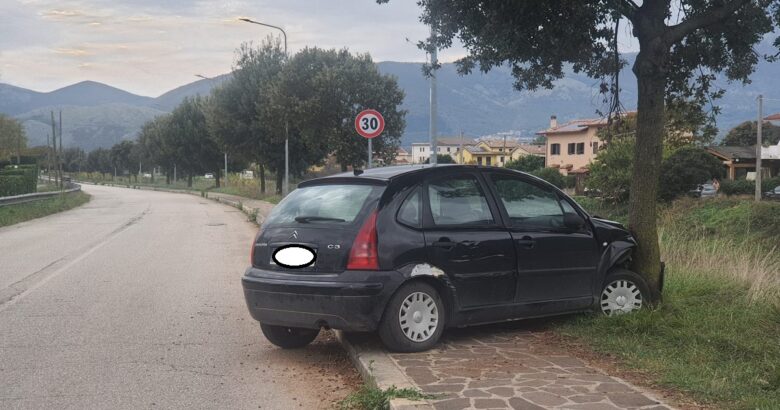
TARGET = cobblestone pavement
x,y
510,366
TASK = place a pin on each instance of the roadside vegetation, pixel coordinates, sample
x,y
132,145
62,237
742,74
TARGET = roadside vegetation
x,y
370,397
14,214
715,336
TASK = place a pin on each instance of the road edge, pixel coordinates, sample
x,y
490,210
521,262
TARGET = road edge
x,y
379,370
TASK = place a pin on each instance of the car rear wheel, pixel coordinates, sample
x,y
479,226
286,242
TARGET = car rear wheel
x,y
413,319
289,337
623,292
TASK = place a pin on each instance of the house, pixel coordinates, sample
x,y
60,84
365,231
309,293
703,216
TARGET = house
x,y
739,160
421,151
495,152
572,146
402,157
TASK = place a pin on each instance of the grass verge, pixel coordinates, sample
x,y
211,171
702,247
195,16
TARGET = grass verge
x,y
716,337
707,340
13,214
369,397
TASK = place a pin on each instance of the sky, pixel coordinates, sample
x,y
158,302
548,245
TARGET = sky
x,y
149,47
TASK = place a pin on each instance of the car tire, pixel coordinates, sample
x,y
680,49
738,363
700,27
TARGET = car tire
x,y
623,292
289,337
420,306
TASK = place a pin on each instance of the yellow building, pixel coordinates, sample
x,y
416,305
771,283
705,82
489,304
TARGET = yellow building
x,y
497,152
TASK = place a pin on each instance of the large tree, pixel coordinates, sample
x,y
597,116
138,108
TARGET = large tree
x,y
683,45
745,134
12,138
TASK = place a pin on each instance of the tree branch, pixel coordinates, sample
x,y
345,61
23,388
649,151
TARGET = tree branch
x,y
627,8
678,31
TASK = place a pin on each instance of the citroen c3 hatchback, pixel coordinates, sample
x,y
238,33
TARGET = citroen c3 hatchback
x,y
411,250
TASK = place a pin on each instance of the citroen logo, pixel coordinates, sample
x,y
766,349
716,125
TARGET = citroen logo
x,y
294,235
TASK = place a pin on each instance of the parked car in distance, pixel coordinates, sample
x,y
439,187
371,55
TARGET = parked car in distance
x,y
773,194
209,176
707,190
410,250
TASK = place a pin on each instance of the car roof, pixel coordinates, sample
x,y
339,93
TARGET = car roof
x,y
384,174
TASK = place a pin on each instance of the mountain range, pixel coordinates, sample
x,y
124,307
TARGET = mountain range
x,y
98,115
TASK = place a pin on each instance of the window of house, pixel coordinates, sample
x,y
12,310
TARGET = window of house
x,y
572,148
502,160
555,149
487,160
581,148
479,160
595,147
448,149
458,201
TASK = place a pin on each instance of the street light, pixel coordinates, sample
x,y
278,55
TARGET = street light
x,y
226,171
286,186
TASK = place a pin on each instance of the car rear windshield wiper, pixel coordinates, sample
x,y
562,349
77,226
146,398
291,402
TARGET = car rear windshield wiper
x,y
307,219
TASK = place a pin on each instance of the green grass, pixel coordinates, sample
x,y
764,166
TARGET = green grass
x,y
716,336
368,397
707,340
13,214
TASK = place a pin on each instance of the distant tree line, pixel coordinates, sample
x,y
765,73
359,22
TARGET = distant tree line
x,y
312,97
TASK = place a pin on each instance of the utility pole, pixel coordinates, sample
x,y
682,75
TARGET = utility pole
x,y
226,175
54,146
48,157
759,144
59,163
460,149
434,97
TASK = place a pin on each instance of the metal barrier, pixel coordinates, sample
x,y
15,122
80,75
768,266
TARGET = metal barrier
x,y
19,199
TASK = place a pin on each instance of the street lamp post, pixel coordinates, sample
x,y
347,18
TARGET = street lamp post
x,y
286,186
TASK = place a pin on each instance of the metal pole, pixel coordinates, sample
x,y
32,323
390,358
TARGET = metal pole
x,y
759,144
369,153
226,178
432,125
62,184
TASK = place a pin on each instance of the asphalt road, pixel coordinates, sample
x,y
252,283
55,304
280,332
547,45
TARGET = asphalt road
x,y
134,301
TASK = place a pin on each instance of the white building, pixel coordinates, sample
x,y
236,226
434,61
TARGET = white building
x,y
421,151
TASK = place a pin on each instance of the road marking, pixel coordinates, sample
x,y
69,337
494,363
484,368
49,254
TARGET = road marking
x,y
18,290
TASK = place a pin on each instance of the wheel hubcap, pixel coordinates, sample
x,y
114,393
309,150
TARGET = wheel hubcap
x,y
418,317
620,296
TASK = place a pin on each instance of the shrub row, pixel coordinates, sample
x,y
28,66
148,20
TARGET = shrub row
x,y
745,187
18,180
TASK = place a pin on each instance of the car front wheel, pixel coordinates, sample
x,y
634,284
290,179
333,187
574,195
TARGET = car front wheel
x,y
413,319
623,292
289,337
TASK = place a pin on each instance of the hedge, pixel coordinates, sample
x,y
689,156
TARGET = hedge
x,y
745,187
18,180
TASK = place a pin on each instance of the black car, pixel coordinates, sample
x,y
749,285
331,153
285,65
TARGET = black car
x,y
410,250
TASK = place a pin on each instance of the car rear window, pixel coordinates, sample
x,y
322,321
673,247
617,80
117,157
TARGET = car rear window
x,y
339,204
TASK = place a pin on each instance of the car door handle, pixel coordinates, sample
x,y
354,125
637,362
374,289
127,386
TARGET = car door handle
x,y
444,244
526,242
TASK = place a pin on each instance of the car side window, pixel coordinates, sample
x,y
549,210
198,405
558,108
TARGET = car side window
x,y
528,205
409,212
458,200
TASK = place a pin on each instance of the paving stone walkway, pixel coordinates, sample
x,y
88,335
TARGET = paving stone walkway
x,y
512,367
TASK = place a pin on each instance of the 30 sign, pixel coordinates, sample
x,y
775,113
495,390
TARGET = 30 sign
x,y
369,123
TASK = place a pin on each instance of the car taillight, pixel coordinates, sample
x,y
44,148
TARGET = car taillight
x,y
254,245
363,255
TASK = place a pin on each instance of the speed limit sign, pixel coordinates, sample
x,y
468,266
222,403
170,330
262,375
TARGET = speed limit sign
x,y
369,123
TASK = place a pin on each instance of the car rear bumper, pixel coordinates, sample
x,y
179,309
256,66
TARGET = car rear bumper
x,y
352,300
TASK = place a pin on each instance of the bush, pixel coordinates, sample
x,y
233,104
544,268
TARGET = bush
x,y
18,180
550,175
738,187
528,163
569,181
611,172
684,169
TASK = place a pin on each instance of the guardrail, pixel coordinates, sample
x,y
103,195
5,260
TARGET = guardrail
x,y
20,199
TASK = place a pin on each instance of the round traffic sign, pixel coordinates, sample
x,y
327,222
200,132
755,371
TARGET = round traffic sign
x,y
369,123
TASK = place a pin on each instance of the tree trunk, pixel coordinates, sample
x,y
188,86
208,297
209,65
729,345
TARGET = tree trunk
x,y
189,180
649,68
216,178
262,179
343,167
279,182
167,177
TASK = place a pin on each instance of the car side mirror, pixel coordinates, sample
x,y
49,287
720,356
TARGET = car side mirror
x,y
573,221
